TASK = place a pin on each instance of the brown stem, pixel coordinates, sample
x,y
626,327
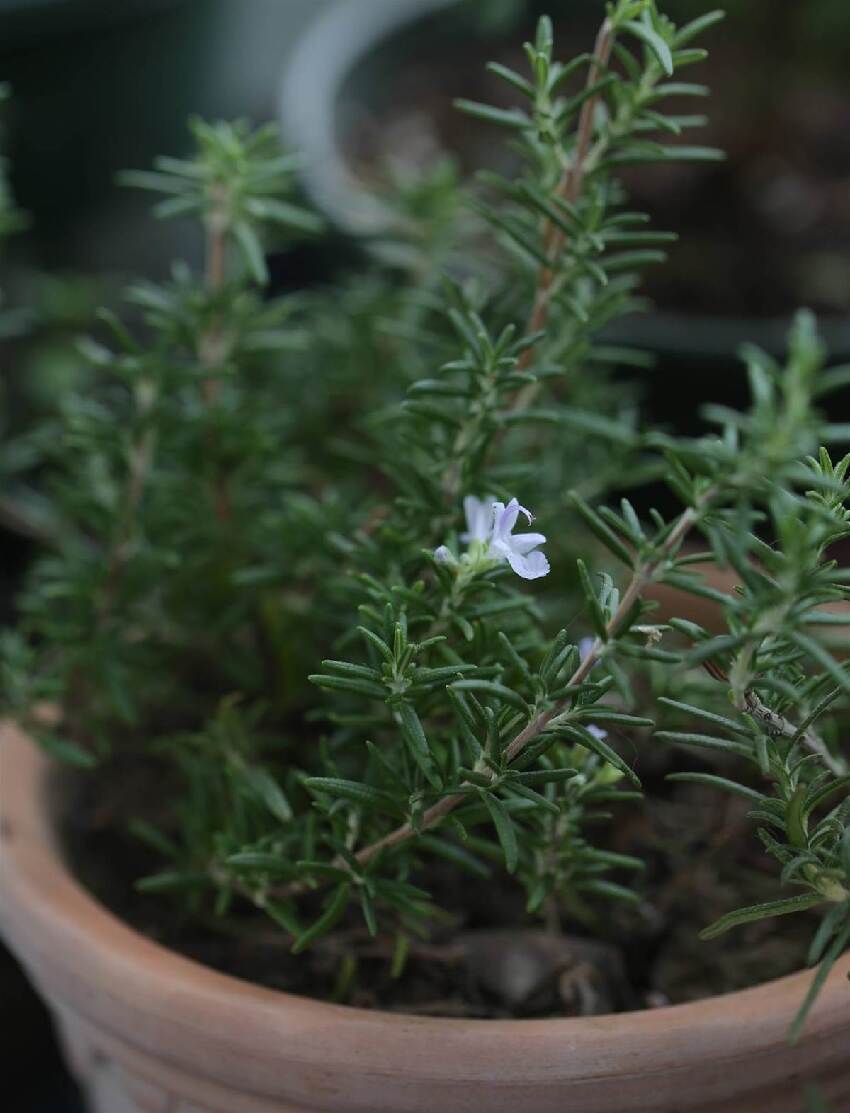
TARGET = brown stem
x,y
210,353
211,345
641,578
554,241
141,458
216,242
778,724
569,190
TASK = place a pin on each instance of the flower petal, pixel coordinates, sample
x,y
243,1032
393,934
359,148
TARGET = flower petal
x,y
504,519
499,550
499,519
444,555
525,542
596,731
530,567
479,518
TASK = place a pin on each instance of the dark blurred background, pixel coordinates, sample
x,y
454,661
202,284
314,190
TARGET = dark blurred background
x,y
366,88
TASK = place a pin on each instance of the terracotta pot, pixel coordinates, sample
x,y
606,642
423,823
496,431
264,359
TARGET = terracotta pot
x,y
672,601
147,1031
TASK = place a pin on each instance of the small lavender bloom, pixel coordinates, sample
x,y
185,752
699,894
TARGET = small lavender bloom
x,y
584,647
479,519
489,526
520,551
596,731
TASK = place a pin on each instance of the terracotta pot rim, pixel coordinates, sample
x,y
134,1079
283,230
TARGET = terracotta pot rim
x,y
94,963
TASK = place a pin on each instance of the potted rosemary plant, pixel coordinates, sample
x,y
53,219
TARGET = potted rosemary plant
x,y
378,795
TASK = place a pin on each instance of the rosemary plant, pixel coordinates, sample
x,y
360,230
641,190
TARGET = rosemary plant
x,y
259,483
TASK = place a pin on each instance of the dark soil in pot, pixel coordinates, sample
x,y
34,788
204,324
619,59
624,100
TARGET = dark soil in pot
x,y
485,957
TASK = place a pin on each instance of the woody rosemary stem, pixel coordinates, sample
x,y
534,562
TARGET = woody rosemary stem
x,y
209,347
211,343
642,576
641,579
777,724
554,241
569,190
141,455
141,458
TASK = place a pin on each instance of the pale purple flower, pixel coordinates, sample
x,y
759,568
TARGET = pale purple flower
x,y
584,647
520,551
489,530
479,519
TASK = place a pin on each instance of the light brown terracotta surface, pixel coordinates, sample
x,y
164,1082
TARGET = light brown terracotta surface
x,y
673,601
150,1032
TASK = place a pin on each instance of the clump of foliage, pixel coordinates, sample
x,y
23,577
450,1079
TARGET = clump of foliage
x,y
258,483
